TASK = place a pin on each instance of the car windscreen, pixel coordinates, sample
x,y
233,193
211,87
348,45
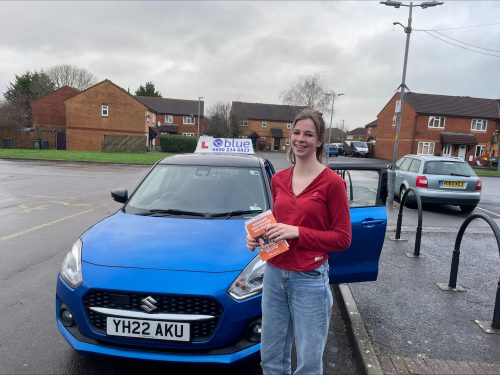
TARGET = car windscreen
x,y
448,168
200,189
359,144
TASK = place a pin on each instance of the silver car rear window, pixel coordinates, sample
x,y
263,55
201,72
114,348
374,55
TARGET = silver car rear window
x,y
448,168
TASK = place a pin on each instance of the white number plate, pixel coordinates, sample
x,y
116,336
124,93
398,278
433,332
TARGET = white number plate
x,y
152,329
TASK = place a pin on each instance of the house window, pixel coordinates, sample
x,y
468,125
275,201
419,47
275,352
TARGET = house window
x,y
288,125
104,110
244,123
425,148
287,141
188,134
394,120
478,125
447,149
479,150
243,136
188,120
169,119
264,124
436,122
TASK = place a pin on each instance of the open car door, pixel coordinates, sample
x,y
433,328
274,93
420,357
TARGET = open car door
x,y
367,194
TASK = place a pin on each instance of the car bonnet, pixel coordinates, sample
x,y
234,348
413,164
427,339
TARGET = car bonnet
x,y
125,240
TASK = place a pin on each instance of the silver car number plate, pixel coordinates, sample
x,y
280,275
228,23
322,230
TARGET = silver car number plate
x,y
453,184
151,329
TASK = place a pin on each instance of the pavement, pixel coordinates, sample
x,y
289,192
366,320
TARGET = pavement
x,y
405,324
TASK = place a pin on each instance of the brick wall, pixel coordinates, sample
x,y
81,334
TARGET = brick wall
x,y
85,125
256,126
49,111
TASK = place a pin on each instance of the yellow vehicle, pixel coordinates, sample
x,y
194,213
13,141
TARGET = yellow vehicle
x,y
490,154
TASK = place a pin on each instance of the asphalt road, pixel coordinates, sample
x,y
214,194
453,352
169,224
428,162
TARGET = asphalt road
x,y
44,207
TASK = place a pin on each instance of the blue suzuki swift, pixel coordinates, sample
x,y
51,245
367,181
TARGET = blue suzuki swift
x,y
168,276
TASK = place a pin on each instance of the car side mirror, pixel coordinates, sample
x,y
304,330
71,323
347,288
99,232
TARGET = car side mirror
x,y
120,195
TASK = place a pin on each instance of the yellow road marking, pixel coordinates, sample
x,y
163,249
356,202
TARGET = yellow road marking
x,y
44,225
27,208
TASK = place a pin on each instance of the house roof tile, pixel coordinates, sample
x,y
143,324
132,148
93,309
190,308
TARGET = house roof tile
x,y
463,106
172,106
358,131
269,112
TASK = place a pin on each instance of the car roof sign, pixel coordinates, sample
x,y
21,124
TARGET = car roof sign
x,y
211,145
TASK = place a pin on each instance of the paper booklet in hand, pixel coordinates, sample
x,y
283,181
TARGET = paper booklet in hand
x,y
256,228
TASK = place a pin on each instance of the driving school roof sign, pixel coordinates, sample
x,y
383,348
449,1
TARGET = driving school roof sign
x,y
224,145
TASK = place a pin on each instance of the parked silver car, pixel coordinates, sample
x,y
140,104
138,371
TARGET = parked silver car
x,y
439,180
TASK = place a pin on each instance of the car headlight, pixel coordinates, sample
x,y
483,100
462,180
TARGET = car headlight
x,y
71,270
249,281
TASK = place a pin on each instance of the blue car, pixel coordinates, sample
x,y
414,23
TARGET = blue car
x,y
168,277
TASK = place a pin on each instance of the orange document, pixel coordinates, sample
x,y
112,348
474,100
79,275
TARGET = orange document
x,y
256,228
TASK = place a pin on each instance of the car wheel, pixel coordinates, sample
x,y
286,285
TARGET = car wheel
x,y
401,193
410,203
467,208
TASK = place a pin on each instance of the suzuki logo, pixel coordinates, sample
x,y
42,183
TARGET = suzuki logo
x,y
149,304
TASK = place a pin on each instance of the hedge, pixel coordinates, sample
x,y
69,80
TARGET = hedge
x,y
177,143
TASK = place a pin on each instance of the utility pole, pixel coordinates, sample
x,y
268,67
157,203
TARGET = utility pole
x,y
399,108
199,114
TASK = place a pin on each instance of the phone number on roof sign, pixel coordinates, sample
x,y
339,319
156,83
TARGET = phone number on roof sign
x,y
231,149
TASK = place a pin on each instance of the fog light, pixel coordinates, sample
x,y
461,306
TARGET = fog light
x,y
254,331
66,317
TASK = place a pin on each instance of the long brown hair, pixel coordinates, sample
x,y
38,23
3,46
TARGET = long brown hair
x,y
319,124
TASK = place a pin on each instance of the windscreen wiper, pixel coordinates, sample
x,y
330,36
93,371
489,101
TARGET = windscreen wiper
x,y
229,214
458,174
172,212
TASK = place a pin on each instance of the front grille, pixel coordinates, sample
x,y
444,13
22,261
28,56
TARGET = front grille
x,y
173,304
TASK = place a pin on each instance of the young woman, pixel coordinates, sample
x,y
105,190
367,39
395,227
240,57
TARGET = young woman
x,y
312,213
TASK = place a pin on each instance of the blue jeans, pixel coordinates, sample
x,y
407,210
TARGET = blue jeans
x,y
295,306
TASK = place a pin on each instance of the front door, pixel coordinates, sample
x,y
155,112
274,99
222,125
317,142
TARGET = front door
x,y
277,144
461,152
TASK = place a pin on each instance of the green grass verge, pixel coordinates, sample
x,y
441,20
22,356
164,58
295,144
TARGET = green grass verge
x,y
88,156
487,172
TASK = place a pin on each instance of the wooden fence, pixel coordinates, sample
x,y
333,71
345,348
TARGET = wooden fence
x,y
124,143
26,137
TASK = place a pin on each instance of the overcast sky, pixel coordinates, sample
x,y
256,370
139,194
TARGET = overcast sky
x,y
250,51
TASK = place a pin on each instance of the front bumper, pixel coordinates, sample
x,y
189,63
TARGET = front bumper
x,y
228,344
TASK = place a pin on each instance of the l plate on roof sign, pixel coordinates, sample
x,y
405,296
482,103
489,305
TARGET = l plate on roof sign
x,y
212,145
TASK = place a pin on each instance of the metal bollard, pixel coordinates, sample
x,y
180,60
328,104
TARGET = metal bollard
x,y
418,236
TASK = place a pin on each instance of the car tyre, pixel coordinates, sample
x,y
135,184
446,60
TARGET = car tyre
x,y
409,202
467,208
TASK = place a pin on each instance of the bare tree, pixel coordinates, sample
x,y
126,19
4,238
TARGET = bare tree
x,y
71,75
308,90
218,122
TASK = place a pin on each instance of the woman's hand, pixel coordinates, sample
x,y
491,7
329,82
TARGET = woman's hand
x,y
279,231
251,243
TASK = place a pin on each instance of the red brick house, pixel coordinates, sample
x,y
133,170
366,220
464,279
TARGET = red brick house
x,y
49,111
105,109
437,125
268,125
358,134
176,116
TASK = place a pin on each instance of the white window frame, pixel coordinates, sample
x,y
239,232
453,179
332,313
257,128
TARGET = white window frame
x,y
447,149
425,146
169,119
264,124
188,120
243,122
104,110
481,149
432,122
188,134
478,121
288,125
287,141
243,136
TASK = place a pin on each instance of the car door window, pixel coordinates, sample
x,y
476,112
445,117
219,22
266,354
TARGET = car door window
x,y
405,165
414,166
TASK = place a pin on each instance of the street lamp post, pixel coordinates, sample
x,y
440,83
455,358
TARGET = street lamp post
x,y
407,29
332,94
199,114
